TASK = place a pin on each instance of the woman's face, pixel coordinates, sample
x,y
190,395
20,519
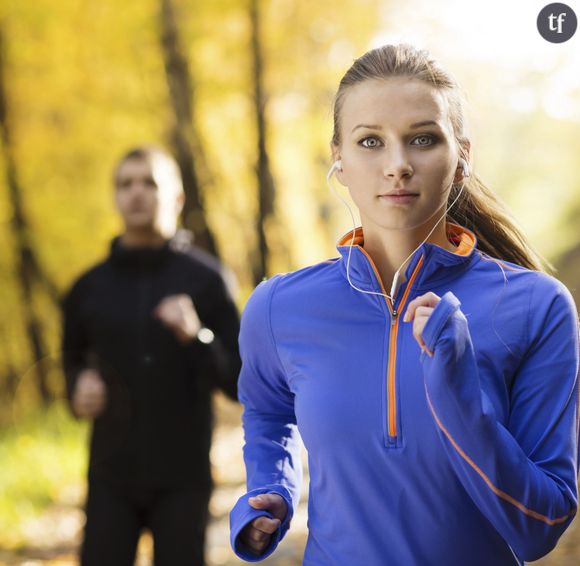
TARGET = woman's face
x,y
384,149
145,197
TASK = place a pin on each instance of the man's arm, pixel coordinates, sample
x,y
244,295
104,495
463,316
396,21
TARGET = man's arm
x,y
85,388
223,320
74,340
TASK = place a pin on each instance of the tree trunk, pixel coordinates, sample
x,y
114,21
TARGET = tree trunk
x,y
27,269
184,137
8,374
266,188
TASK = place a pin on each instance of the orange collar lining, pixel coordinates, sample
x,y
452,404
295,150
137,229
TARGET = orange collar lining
x,y
466,238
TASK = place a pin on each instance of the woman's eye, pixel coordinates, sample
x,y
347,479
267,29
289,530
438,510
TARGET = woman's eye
x,y
373,142
425,137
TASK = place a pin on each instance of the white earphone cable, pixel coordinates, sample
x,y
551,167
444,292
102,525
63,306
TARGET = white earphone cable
x,y
396,277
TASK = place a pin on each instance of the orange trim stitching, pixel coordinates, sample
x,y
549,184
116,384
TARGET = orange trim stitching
x,y
377,276
497,491
393,359
392,416
407,290
392,424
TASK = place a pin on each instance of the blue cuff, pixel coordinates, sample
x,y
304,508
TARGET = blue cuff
x,y
243,513
448,304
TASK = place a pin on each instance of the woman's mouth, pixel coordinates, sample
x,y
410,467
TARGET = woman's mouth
x,y
399,199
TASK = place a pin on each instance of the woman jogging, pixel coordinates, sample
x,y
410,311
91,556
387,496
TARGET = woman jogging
x,y
431,369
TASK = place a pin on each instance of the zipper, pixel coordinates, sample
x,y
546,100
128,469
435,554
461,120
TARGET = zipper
x,y
394,310
391,381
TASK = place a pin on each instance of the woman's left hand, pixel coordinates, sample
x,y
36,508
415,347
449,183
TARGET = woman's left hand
x,y
419,310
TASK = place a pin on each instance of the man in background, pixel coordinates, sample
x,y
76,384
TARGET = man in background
x,y
147,334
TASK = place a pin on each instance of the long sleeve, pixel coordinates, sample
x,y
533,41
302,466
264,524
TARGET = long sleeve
x,y
272,442
220,314
522,475
74,338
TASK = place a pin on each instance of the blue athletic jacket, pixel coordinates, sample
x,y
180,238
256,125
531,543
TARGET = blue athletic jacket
x,y
468,457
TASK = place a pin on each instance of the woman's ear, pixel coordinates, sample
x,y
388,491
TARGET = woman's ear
x,y
336,157
464,152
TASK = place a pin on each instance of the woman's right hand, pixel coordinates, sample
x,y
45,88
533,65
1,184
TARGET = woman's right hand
x,y
257,534
90,394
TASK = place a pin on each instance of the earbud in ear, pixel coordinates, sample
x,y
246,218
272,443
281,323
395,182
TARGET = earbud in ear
x,y
337,165
464,166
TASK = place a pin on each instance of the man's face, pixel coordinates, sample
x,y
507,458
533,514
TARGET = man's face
x,y
144,197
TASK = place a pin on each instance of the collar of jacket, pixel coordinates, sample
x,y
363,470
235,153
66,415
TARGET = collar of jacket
x,y
150,258
438,263
146,258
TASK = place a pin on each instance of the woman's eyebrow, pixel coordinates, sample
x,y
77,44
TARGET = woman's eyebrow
x,y
369,126
379,127
425,123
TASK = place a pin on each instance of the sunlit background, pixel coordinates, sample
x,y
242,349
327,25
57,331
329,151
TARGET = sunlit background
x,y
83,80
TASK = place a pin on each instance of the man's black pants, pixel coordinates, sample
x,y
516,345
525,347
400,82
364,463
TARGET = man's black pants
x,y
177,518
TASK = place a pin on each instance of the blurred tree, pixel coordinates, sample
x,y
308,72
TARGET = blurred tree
x,y
9,375
266,187
242,90
184,137
30,275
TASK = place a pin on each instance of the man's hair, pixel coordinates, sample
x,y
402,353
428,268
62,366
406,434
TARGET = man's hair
x,y
157,158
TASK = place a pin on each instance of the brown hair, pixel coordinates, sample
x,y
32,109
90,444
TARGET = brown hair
x,y
153,155
478,208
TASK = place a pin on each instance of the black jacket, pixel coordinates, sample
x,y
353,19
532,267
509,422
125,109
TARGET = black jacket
x,y
156,429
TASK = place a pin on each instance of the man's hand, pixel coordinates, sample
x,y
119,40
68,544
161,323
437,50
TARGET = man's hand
x,y
257,534
178,313
90,394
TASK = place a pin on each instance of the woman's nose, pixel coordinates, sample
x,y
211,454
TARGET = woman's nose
x,y
397,164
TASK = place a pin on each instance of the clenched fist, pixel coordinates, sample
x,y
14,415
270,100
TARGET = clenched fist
x,y
178,313
257,534
419,310
90,394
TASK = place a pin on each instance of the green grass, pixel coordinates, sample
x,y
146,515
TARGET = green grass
x,y
39,456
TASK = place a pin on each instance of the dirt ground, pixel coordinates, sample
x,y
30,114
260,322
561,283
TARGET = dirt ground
x,y
55,537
